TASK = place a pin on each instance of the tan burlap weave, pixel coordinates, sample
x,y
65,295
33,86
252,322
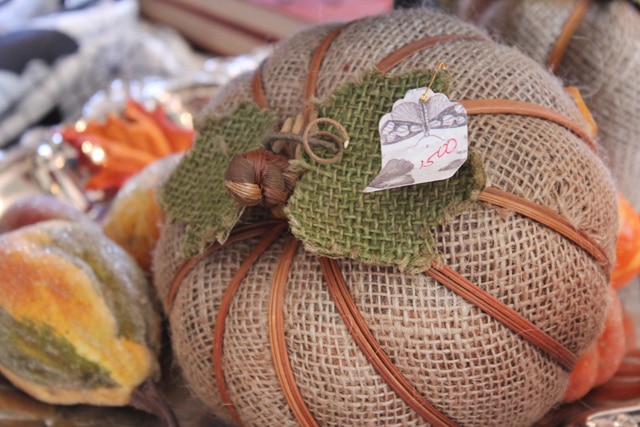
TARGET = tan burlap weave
x,y
468,365
602,59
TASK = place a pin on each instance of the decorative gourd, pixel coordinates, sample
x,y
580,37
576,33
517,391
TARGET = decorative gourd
x,y
78,322
458,302
35,208
601,361
134,217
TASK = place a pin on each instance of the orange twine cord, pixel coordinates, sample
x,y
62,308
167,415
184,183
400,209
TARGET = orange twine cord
x,y
399,55
547,217
242,232
501,312
313,71
569,28
523,108
223,310
257,88
592,126
539,213
277,337
373,351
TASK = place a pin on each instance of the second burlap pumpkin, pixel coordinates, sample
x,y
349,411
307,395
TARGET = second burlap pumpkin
x,y
601,57
282,340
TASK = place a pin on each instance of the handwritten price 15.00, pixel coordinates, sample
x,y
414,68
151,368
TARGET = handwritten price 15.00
x,y
445,149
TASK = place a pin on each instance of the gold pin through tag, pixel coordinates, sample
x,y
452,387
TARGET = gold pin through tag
x,y
425,95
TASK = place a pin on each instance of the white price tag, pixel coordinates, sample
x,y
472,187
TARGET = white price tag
x,y
422,140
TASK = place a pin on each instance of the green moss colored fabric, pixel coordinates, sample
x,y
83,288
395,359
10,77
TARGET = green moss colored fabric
x,y
195,193
332,215
328,211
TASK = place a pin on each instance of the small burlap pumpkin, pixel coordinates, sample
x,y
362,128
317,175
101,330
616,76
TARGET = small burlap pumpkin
x,y
471,313
594,46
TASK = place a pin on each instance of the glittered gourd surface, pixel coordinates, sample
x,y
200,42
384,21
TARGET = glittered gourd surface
x,y
387,227
268,329
69,331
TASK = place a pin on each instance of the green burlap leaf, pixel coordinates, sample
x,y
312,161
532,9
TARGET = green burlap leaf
x,y
332,215
195,193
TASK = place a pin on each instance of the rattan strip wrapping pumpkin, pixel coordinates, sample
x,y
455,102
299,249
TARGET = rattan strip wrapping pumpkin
x,y
272,332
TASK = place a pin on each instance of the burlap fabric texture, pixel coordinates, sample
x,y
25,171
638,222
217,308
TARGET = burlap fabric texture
x,y
602,59
468,365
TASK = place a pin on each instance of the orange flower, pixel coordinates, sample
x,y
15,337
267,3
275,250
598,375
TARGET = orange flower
x,y
126,143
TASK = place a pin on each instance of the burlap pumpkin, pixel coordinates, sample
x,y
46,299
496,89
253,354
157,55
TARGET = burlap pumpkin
x,y
601,57
285,334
